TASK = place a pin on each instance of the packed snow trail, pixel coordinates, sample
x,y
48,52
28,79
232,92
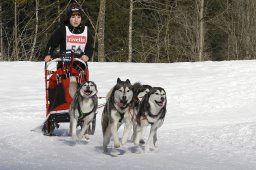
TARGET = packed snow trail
x,y
210,121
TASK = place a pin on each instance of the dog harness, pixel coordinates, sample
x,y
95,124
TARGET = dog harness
x,y
160,116
82,114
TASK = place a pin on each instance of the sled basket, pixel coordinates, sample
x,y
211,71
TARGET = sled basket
x,y
57,80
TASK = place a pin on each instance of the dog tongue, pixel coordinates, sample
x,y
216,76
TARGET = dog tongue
x,y
122,103
160,103
87,93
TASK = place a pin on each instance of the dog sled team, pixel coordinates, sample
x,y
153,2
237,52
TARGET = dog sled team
x,y
71,97
135,106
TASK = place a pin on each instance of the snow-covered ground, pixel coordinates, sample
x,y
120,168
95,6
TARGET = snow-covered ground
x,y
210,121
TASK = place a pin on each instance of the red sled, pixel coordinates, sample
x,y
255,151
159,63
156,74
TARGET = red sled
x,y
57,79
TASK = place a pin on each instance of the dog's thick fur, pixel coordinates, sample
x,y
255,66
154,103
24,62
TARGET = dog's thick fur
x,y
140,90
83,107
151,112
116,112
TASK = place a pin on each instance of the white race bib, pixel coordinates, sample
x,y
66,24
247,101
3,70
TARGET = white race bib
x,y
76,42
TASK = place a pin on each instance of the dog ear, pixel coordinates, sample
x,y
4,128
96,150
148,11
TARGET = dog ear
x,y
128,81
95,86
153,90
118,80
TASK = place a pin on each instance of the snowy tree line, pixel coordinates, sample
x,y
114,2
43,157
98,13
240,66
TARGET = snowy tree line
x,y
136,30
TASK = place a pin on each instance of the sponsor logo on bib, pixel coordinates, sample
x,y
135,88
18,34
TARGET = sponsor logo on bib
x,y
76,39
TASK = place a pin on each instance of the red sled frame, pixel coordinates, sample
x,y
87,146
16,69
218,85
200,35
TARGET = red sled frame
x,y
61,114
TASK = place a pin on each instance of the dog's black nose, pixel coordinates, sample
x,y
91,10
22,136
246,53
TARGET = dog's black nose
x,y
124,98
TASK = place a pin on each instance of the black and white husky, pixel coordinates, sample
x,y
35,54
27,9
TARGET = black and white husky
x,y
151,112
83,108
116,112
140,90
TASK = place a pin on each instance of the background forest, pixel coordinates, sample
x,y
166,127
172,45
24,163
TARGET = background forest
x,y
136,30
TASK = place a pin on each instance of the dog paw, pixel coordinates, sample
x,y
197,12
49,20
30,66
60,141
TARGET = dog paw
x,y
136,142
117,145
87,137
142,141
146,149
75,138
105,149
155,149
80,137
123,142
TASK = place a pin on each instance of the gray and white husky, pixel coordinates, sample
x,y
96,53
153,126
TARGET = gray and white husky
x,y
151,112
83,107
116,112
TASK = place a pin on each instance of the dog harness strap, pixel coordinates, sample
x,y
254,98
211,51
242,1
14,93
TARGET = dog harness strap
x,y
122,117
153,116
81,113
132,113
151,123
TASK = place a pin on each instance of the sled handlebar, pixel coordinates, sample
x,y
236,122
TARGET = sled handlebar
x,y
82,61
59,59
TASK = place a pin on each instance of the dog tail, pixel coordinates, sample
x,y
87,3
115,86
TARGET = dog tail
x,y
72,86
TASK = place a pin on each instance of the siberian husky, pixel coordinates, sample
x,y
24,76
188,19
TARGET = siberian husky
x,y
151,112
83,108
116,112
140,90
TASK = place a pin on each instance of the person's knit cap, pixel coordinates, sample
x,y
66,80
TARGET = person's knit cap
x,y
73,8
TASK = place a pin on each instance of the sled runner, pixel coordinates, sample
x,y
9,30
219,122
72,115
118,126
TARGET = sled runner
x,y
58,98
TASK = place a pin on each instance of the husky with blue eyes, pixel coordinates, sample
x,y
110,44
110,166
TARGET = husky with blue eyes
x,y
151,112
116,112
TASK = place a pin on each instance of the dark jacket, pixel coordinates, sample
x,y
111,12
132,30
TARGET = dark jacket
x,y
58,39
